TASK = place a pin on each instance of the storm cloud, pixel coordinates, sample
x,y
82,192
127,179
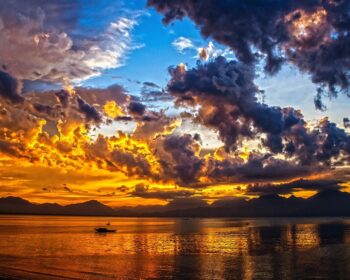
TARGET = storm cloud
x,y
184,164
228,102
313,35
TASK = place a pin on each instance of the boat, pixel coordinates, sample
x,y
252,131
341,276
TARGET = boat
x,y
104,230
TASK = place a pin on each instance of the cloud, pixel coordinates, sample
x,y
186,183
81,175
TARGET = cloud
x,y
54,129
312,35
151,85
210,51
47,45
182,44
144,191
226,92
66,188
85,105
154,125
226,95
258,167
151,94
136,108
89,111
57,129
100,96
289,188
183,164
10,88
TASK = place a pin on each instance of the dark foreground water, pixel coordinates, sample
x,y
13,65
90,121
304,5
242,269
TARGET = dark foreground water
x,y
38,247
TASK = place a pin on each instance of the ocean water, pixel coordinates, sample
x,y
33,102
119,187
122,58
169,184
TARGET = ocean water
x,y
44,247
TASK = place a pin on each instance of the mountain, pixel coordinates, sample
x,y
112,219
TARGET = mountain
x,y
89,208
329,203
14,201
16,205
13,204
325,203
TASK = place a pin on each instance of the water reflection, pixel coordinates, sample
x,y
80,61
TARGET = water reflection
x,y
175,248
333,233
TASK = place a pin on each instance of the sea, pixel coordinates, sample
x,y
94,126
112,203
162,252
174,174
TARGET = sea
x,y
57,247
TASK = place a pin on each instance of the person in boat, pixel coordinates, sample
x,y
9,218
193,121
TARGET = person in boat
x,y
104,230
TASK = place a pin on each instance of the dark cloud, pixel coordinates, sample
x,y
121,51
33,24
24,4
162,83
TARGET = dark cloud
x,y
66,188
346,122
151,85
100,96
150,94
183,165
318,101
333,143
75,106
136,108
289,188
124,118
89,111
227,95
311,34
12,149
181,162
222,89
122,189
50,112
143,191
159,96
63,97
227,99
153,125
10,88
257,168
136,164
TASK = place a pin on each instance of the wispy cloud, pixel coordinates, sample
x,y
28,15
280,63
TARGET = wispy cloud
x,y
183,44
44,48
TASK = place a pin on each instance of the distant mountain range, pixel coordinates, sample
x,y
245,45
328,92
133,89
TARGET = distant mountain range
x,y
326,203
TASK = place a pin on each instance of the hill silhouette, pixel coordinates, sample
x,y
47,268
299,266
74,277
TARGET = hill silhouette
x,y
325,203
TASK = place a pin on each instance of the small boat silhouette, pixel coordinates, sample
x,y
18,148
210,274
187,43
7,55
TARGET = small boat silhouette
x,y
104,230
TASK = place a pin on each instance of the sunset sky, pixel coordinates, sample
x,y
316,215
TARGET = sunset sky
x,y
146,102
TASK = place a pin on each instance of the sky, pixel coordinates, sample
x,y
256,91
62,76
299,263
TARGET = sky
x,y
150,102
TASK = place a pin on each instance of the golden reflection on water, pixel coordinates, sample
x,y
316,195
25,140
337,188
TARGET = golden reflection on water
x,y
157,248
